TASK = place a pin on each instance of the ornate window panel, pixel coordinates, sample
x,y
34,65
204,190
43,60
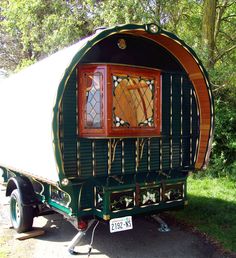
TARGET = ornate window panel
x,y
118,101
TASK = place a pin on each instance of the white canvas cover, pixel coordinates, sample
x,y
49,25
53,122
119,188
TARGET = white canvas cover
x,y
26,110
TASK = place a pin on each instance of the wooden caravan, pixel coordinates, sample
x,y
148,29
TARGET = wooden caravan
x,y
106,128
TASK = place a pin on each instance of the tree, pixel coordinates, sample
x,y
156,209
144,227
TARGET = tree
x,y
219,48
34,29
208,30
218,32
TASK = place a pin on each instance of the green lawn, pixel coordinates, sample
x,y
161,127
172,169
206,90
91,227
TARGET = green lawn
x,y
212,209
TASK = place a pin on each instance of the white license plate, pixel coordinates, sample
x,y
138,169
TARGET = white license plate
x,y
121,224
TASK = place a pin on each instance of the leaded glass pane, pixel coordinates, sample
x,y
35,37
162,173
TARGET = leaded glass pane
x,y
93,101
133,101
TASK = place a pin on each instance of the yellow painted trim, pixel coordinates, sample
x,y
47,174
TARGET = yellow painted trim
x,y
106,217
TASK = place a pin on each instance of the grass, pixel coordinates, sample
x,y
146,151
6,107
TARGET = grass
x,y
212,209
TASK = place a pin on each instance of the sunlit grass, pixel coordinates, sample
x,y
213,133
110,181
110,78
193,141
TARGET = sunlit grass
x,y
212,209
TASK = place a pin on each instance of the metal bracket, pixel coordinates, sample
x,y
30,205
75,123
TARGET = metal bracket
x,y
163,226
75,241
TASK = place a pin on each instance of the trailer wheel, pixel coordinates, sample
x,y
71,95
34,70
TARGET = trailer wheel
x,y
21,216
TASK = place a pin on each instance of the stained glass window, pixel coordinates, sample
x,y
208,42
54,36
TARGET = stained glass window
x,y
118,101
93,109
133,101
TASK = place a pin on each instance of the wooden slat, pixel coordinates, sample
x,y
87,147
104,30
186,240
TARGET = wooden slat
x,y
30,234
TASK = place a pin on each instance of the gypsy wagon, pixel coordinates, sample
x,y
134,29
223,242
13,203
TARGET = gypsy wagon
x,y
107,128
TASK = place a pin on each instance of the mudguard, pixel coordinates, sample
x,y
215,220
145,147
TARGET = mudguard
x,y
23,184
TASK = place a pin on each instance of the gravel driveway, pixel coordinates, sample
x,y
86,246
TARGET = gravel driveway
x,y
143,241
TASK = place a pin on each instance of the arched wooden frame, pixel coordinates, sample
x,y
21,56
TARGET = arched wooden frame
x,y
200,83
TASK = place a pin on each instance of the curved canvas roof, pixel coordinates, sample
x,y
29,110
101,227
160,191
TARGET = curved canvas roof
x,y
32,97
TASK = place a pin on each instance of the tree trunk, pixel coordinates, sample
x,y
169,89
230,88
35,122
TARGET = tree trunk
x,y
208,30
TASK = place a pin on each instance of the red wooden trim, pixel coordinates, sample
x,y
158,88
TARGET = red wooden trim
x,y
108,130
82,100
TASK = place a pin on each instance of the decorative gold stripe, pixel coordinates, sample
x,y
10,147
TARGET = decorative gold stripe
x,y
87,209
148,205
78,158
161,154
161,192
171,153
109,157
149,154
137,154
181,121
93,156
129,209
179,200
95,196
112,144
123,156
123,191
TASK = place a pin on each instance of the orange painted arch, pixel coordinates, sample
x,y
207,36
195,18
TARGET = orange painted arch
x,y
200,83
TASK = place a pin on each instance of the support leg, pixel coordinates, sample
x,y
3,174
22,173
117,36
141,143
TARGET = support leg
x,y
75,241
164,227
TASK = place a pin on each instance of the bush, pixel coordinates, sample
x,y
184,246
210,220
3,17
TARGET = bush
x,y
223,158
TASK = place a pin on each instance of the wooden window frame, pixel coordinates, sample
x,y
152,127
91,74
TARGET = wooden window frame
x,y
82,72
107,128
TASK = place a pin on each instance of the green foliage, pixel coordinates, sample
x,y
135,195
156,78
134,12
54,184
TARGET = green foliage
x,y
161,12
212,209
223,162
41,27
108,13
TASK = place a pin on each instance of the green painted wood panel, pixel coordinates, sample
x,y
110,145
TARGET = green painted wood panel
x,y
84,158
176,105
155,154
186,122
165,153
129,155
176,152
101,157
69,127
165,104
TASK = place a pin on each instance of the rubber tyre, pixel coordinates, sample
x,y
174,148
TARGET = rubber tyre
x,y
21,216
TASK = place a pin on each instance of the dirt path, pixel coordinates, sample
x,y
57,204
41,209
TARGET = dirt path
x,y
143,241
